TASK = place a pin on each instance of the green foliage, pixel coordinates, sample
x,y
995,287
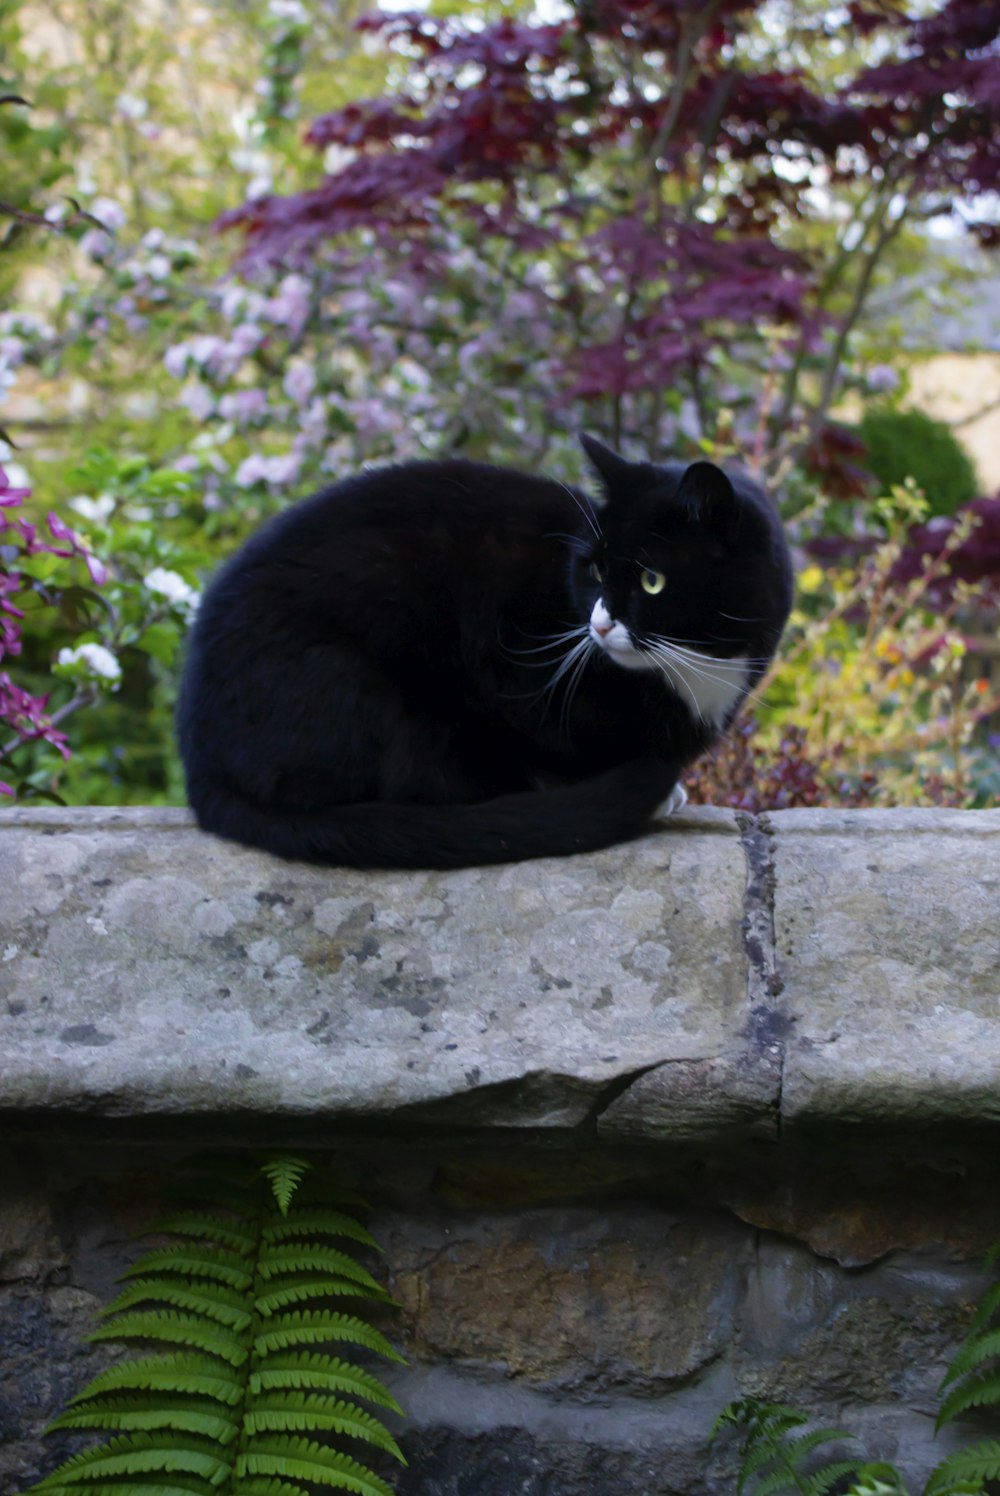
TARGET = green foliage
x,y
777,1460
772,1459
910,444
241,1407
144,523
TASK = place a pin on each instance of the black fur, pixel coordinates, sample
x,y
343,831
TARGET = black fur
x,y
370,680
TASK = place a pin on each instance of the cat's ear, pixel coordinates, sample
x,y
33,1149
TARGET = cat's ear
x,y
612,468
709,497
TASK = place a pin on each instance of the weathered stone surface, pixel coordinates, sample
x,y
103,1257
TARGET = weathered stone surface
x,y
634,1298
857,1206
698,1101
887,930
725,978
580,1350
509,1462
147,967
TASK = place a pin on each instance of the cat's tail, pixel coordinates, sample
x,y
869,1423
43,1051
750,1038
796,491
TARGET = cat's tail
x,y
579,817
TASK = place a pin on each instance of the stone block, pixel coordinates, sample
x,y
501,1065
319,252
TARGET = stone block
x,y
637,1299
887,934
150,968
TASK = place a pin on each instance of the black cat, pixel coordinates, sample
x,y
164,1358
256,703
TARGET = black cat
x,y
444,664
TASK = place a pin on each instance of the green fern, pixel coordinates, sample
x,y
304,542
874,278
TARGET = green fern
x,y
774,1463
243,1406
974,1372
285,1174
772,1460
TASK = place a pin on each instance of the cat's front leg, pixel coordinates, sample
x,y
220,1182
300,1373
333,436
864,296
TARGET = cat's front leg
x,y
675,801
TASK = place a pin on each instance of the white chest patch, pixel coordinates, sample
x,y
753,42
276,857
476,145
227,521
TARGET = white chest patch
x,y
708,687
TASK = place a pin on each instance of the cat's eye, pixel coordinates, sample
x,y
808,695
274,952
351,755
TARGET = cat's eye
x,y
595,571
652,582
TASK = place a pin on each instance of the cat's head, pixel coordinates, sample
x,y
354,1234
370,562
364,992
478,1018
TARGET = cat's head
x,y
682,557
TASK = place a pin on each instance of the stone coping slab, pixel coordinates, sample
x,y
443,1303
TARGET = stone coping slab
x,y
723,976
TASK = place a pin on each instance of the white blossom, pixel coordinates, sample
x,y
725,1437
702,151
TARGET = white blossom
x,y
172,586
97,510
98,661
288,10
131,106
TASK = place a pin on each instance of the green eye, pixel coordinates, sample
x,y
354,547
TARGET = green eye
x,y
653,582
595,571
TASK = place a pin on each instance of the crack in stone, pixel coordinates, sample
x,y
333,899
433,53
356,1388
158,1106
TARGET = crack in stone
x,y
617,1087
768,1025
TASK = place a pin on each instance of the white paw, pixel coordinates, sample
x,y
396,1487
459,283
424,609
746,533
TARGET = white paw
x,y
675,801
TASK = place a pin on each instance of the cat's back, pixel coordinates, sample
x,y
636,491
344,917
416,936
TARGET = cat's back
x,y
386,549
452,508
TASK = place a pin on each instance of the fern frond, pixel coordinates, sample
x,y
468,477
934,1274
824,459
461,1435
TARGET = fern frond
x,y
148,1485
772,1461
300,1293
987,1309
798,1449
877,1479
238,1406
216,1302
264,1486
206,1227
823,1480
313,1372
200,1376
278,1412
300,1258
180,1329
303,1221
977,1464
284,1174
964,1488
136,1455
301,1459
204,1262
314,1326
975,1392
972,1353
751,1413
128,1415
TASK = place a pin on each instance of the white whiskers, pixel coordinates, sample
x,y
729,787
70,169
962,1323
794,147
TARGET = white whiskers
x,y
709,685
576,647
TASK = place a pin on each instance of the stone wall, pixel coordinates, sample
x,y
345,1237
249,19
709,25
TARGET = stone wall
x,y
711,1115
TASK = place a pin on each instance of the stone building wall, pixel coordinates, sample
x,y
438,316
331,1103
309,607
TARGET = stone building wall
x,y
711,1116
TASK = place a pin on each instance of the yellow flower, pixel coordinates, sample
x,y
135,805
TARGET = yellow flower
x,y
811,580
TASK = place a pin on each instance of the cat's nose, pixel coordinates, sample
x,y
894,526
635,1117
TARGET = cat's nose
x,y
603,629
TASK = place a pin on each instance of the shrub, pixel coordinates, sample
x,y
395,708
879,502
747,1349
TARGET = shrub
x,y
906,444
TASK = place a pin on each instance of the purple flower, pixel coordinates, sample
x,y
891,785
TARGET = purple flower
x,y
299,382
77,547
243,406
10,496
882,378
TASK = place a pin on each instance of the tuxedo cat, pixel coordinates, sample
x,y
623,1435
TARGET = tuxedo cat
x,y
444,664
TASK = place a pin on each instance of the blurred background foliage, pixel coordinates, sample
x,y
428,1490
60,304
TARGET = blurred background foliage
x,y
247,245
